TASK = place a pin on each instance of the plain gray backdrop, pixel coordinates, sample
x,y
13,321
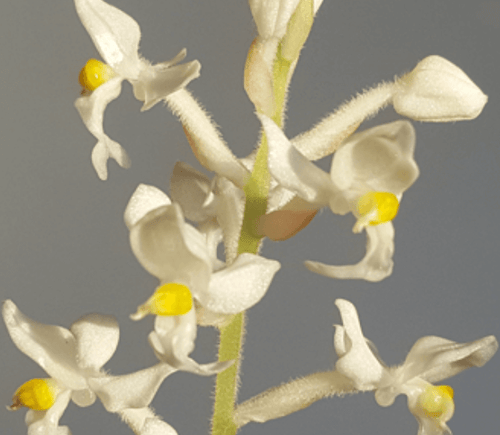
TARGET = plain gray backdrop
x,y
65,249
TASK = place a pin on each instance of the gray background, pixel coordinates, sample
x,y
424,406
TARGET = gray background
x,y
65,251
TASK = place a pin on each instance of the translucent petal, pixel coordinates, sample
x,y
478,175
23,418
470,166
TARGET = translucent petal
x,y
239,286
230,205
292,170
91,109
97,337
135,390
52,347
144,199
158,81
356,360
434,359
377,263
193,191
115,34
170,249
380,158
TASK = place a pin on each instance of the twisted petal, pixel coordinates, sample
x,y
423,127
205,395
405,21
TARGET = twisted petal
x,y
115,34
239,286
52,347
96,340
356,360
434,359
292,170
170,249
47,422
380,158
144,199
91,109
377,263
135,390
173,340
158,81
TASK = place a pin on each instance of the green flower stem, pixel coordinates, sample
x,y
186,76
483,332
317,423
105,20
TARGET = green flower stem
x,y
256,193
231,343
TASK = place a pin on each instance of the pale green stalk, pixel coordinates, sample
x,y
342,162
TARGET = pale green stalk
x,y
256,193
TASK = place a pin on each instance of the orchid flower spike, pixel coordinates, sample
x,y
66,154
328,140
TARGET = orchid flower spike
x,y
369,174
73,359
431,359
191,278
116,36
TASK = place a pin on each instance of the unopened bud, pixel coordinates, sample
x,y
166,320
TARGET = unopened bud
x,y
438,91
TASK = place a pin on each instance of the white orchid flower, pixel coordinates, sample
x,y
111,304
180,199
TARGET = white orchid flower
x,y
430,360
184,261
116,36
368,176
73,359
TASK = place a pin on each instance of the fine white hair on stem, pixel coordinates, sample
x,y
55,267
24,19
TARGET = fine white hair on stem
x,y
291,397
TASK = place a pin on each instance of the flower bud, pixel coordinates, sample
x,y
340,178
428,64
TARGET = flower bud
x,y
438,91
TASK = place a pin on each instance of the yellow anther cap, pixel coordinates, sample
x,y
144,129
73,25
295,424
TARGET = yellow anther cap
x,y
170,299
437,402
376,208
94,74
37,394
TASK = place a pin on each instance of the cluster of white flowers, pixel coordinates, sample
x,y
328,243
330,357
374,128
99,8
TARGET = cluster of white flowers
x,y
273,193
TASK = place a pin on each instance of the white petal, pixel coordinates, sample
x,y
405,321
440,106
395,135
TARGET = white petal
x,y
135,390
380,158
115,34
438,91
173,341
356,360
292,170
170,249
52,347
156,82
434,359
239,286
91,109
230,206
97,337
83,398
173,337
272,16
47,422
193,191
377,263
144,199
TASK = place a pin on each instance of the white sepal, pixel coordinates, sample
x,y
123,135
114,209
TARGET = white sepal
x,y
97,338
115,34
144,199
